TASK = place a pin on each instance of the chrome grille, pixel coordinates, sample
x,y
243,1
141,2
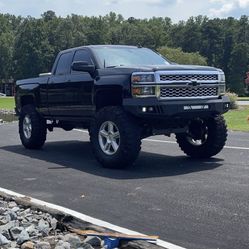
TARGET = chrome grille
x,y
188,92
184,77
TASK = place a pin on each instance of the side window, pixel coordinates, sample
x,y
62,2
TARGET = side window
x,y
64,64
82,55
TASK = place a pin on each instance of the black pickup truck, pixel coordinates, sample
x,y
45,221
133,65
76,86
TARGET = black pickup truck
x,y
123,94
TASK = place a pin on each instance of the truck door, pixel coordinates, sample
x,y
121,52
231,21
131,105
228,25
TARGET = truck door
x,y
82,83
70,92
61,96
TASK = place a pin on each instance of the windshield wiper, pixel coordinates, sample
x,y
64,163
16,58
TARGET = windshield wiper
x,y
114,66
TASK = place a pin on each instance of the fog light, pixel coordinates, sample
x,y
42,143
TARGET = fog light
x,y
144,109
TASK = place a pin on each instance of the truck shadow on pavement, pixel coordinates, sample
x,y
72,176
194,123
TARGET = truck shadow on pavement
x,y
78,155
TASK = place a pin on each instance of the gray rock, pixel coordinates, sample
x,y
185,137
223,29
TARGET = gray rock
x,y
73,240
26,212
2,210
52,240
93,241
16,231
5,219
86,246
62,245
23,237
13,215
53,223
13,244
12,204
15,209
6,234
8,226
3,240
43,245
43,227
32,231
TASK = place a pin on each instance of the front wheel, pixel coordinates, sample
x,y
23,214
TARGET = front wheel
x,y
115,138
204,138
32,128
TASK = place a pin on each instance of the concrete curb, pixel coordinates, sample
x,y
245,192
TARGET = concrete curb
x,y
81,221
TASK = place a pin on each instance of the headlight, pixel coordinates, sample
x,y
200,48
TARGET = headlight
x,y
142,78
222,89
222,81
222,77
144,91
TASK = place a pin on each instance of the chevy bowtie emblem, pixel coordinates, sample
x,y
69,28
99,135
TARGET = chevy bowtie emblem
x,y
194,82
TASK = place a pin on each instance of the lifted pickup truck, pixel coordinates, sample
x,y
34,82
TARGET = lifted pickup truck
x,y
123,94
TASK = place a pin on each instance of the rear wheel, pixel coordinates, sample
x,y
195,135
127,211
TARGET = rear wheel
x,y
32,128
205,138
115,138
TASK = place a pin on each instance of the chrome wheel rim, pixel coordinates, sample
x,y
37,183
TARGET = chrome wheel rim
x,y
109,138
197,142
200,140
27,127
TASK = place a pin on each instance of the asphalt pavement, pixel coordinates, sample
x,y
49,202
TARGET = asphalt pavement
x,y
191,203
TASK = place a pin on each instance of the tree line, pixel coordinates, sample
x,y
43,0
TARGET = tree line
x,y
29,45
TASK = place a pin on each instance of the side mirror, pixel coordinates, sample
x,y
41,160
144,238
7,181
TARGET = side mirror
x,y
83,66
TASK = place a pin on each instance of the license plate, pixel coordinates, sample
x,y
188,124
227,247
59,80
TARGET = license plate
x,y
195,107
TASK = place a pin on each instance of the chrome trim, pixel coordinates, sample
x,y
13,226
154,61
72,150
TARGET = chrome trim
x,y
185,98
185,72
45,74
158,84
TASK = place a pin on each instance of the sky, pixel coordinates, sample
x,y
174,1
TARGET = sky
x,y
175,9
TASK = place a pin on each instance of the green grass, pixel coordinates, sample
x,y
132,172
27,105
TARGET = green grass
x,y
7,103
243,98
237,120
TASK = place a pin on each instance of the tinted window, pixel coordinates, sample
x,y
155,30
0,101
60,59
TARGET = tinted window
x,y
82,55
128,56
64,64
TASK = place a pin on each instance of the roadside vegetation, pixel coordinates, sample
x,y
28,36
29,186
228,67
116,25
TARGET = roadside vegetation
x,y
243,99
7,103
238,120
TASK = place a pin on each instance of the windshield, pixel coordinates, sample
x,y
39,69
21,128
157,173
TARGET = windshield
x,y
127,56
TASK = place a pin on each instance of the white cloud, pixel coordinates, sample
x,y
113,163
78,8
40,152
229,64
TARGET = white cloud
x,y
223,10
225,7
243,3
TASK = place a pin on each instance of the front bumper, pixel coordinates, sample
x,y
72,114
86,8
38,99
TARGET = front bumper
x,y
163,109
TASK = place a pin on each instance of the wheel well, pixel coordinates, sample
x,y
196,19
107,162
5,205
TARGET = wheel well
x,y
27,100
108,97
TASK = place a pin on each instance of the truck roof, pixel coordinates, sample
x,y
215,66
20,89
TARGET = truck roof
x,y
99,46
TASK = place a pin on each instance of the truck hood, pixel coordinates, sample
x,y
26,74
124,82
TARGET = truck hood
x,y
174,67
153,68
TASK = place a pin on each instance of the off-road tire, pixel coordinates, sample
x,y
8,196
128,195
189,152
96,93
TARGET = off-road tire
x,y
216,139
39,129
130,138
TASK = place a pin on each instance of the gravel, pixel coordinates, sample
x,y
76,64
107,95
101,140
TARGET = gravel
x,y
28,228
